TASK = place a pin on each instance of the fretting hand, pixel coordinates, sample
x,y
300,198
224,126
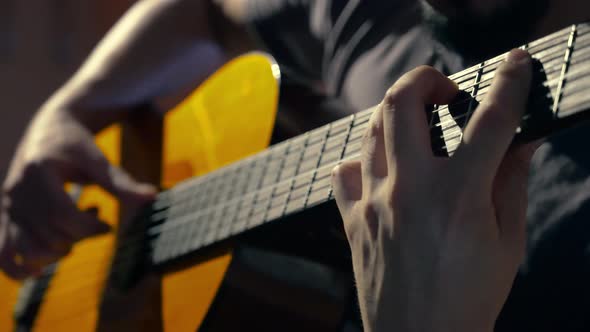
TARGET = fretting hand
x,y
436,242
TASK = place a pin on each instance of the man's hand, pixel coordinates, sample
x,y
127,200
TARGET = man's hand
x,y
39,222
436,242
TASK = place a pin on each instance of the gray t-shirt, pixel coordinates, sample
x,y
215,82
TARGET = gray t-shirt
x,y
346,54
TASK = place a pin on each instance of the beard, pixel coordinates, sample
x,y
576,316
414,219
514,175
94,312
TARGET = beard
x,y
478,36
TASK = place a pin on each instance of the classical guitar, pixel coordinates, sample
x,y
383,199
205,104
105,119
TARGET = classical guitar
x,y
220,232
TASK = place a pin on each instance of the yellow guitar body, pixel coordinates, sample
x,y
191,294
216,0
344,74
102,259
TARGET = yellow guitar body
x,y
227,118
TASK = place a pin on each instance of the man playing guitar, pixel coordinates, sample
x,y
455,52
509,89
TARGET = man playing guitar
x,y
470,238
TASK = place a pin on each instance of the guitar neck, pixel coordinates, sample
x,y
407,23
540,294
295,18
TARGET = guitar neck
x,y
295,175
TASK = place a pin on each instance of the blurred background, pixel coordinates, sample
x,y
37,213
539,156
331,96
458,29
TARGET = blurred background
x,y
41,43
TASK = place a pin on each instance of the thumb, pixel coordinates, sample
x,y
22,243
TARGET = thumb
x,y
114,179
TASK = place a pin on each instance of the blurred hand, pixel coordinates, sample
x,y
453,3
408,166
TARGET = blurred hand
x,y
39,222
436,242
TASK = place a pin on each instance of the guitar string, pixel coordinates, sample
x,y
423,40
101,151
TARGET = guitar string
x,y
478,85
560,37
480,82
447,121
449,138
119,262
557,52
171,222
99,281
564,33
353,156
321,128
463,89
187,184
495,60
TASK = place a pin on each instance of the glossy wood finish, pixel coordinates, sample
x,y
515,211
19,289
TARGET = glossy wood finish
x,y
229,117
222,125
73,299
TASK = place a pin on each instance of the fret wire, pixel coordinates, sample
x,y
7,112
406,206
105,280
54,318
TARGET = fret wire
x,y
335,141
542,41
488,84
359,131
278,200
325,168
568,52
345,151
464,73
313,148
318,178
549,54
220,216
191,231
569,77
549,39
251,208
224,187
241,221
186,240
351,158
561,103
291,160
314,172
322,188
270,199
221,190
494,69
205,234
553,43
476,87
292,182
208,213
170,244
356,132
194,182
492,65
343,147
498,59
488,80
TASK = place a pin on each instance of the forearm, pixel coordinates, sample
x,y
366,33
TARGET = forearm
x,y
158,47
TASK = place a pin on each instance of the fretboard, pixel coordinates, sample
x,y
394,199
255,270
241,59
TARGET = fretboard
x,y
295,175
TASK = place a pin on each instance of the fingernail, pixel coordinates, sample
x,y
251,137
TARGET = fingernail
x,y
517,56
